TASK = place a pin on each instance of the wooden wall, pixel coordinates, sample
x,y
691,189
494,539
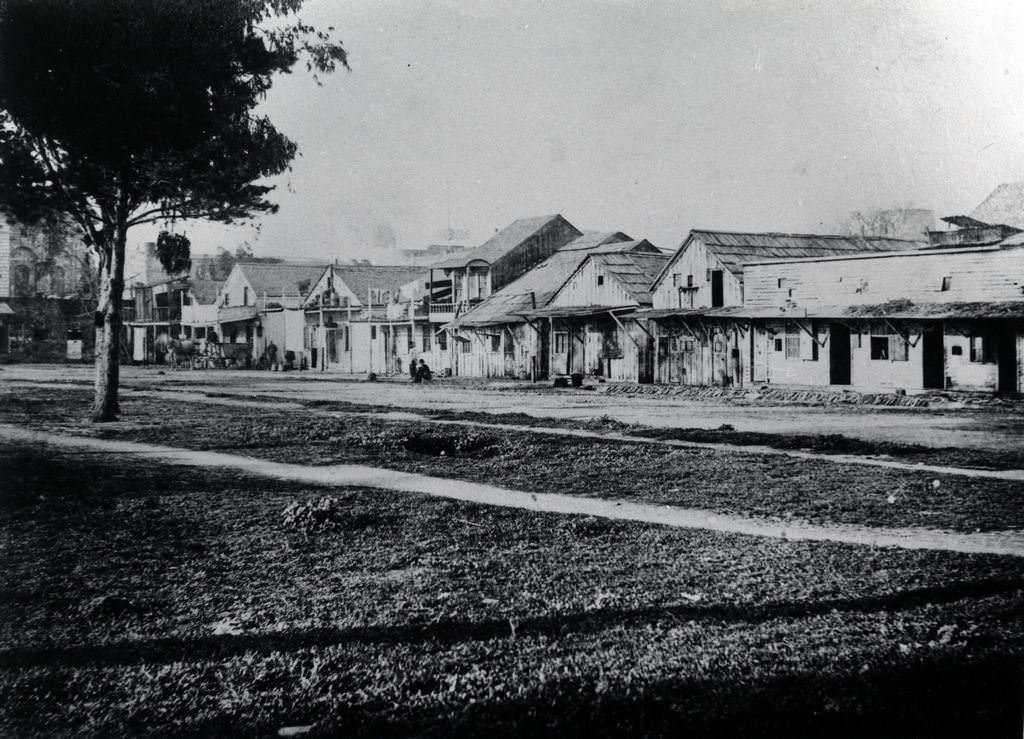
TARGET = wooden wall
x,y
695,259
977,274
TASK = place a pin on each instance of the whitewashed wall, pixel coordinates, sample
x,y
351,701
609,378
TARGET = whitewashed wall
x,y
978,274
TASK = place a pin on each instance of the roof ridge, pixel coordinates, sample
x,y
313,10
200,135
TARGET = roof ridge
x,y
787,234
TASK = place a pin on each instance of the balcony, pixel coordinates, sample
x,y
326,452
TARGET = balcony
x,y
157,314
443,312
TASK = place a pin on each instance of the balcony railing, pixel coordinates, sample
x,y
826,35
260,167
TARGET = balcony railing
x,y
158,314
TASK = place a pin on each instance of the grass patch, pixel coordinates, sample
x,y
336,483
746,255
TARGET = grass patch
x,y
184,604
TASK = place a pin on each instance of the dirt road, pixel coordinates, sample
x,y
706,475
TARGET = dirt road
x,y
977,429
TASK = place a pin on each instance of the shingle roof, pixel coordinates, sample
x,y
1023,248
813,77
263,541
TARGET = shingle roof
x,y
281,279
1004,205
734,249
361,278
635,271
502,242
536,288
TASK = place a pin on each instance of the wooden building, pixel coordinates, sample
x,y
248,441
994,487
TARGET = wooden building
x,y
462,282
592,318
363,318
937,317
697,294
496,339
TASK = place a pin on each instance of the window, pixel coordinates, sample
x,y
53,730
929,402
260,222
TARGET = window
x,y
956,350
466,348
347,331
561,342
245,296
689,280
373,333
947,283
442,341
982,349
495,342
780,282
675,279
600,279
879,347
778,345
227,299
687,345
425,337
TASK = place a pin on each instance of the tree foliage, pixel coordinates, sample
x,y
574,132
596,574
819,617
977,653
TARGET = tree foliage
x,y
118,113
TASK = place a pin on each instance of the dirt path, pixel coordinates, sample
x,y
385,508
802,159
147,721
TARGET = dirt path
x,y
1006,543
988,430
197,397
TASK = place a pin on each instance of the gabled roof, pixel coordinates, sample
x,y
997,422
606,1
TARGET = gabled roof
x,y
634,270
361,278
1005,205
536,288
285,278
734,249
502,242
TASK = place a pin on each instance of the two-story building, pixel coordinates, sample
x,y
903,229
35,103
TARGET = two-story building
x,y
462,282
262,302
363,318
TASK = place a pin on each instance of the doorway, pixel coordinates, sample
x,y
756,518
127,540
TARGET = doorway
x,y
717,289
838,354
933,359
1006,356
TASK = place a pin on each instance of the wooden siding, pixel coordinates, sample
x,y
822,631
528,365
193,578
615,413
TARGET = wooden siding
x,y
688,354
582,289
6,288
517,355
531,252
598,346
696,260
982,274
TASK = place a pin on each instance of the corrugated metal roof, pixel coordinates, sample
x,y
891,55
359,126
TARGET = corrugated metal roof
x,y
502,242
536,288
634,270
735,249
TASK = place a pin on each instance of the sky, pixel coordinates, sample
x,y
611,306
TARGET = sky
x,y
650,117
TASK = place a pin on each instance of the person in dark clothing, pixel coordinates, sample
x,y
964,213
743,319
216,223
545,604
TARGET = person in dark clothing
x,y
412,369
272,356
423,372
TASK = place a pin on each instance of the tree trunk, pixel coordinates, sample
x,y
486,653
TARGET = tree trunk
x,y
108,330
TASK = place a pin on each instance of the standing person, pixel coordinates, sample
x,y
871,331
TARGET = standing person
x,y
272,356
412,369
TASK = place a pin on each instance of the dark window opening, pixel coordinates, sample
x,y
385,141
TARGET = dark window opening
x,y
947,283
879,347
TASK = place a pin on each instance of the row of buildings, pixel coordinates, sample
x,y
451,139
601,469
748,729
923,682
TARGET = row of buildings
x,y
543,299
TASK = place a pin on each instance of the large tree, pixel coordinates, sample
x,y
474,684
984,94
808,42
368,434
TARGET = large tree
x,y
119,113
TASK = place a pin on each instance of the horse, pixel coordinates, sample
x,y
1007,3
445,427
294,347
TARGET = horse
x,y
178,351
